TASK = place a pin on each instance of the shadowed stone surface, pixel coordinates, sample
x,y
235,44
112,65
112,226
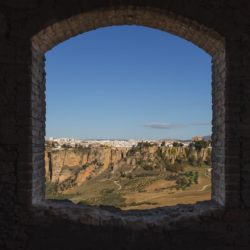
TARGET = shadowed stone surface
x,y
31,27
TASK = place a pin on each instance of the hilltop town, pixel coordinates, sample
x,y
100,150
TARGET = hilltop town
x,y
72,142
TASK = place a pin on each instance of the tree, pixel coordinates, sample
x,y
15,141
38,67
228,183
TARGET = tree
x,y
200,144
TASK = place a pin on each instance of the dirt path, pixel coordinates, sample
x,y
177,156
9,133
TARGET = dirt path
x,y
204,187
119,186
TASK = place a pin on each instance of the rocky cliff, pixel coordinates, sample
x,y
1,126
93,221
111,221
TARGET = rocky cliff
x,y
70,167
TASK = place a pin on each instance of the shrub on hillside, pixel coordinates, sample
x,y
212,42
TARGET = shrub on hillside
x,y
185,180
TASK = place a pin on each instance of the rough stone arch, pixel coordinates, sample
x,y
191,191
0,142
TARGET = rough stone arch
x,y
28,222
205,38
53,225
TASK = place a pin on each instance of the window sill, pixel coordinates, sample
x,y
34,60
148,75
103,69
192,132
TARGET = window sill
x,y
171,217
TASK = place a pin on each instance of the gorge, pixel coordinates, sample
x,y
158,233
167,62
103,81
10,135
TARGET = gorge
x,y
145,175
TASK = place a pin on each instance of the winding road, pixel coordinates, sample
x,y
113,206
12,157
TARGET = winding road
x,y
117,184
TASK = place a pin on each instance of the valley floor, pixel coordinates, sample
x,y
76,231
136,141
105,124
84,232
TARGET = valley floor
x,y
138,193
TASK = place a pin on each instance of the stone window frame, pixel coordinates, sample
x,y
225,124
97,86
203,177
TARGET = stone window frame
x,y
203,37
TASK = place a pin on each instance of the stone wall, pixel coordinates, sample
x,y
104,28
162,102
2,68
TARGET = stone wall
x,y
31,27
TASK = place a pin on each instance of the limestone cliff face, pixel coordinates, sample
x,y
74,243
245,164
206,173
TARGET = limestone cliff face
x,y
70,167
79,164
156,158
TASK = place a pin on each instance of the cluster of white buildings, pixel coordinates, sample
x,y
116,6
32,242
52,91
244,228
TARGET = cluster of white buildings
x,y
74,142
59,142
114,143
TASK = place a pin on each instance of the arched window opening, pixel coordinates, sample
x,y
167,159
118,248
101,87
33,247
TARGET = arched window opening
x,y
128,120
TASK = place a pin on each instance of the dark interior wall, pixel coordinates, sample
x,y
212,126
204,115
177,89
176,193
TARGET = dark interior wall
x,y
23,227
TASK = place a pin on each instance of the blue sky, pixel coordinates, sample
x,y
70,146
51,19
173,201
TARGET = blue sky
x,y
128,82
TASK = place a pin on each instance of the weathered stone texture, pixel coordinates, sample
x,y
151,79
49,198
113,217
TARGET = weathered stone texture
x,y
31,27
